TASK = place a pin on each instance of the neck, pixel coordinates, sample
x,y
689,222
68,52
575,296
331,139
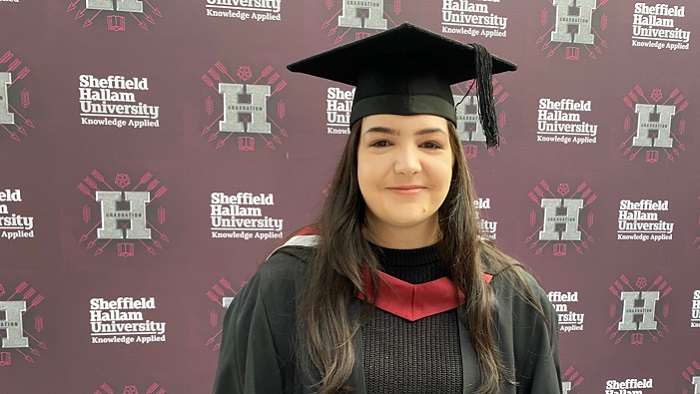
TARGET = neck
x,y
413,237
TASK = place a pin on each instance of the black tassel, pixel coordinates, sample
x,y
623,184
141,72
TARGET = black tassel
x,y
487,110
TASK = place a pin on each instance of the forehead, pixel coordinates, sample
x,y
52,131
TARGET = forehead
x,y
401,123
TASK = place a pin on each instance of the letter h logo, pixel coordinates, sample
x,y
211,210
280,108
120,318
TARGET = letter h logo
x,y
569,220
136,215
351,18
565,387
13,324
582,20
256,108
6,117
226,301
646,311
645,125
108,5
465,118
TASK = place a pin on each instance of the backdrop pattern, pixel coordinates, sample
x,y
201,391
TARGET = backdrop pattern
x,y
153,152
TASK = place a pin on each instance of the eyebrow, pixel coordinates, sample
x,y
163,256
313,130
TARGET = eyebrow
x,y
388,130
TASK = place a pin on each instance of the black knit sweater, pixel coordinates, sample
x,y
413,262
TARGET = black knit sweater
x,y
406,357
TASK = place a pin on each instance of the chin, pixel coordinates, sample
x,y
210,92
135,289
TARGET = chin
x,y
404,222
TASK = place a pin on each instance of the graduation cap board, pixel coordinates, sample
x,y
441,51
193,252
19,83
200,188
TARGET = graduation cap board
x,y
408,70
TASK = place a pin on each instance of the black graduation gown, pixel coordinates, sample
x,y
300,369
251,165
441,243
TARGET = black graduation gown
x,y
257,349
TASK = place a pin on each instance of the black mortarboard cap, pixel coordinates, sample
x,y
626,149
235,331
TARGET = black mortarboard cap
x,y
408,70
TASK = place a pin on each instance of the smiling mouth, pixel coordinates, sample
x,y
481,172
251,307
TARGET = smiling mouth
x,y
406,190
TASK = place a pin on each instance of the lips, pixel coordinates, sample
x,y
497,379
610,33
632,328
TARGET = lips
x,y
407,190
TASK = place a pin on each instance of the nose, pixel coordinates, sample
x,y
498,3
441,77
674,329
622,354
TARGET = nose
x,y
407,161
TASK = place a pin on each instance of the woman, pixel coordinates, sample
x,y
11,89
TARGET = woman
x,y
394,290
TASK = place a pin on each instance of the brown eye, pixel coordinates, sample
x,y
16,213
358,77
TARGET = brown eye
x,y
431,145
380,143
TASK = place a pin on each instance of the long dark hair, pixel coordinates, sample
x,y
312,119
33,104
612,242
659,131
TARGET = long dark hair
x,y
325,329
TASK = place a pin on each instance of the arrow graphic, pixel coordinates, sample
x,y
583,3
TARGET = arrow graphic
x,y
163,236
634,155
20,288
588,236
218,290
28,122
640,92
25,71
213,297
80,14
106,388
268,143
152,388
281,130
546,187
328,22
220,66
590,53
278,88
72,5
6,57
551,53
672,95
214,74
12,134
208,128
97,175
86,191
36,301
222,142
227,285
38,342
154,9
540,249
340,37
389,18
140,22
213,338
265,72
28,294
145,178
149,249
590,200
579,189
88,22
26,356
541,38
538,191
101,249
603,42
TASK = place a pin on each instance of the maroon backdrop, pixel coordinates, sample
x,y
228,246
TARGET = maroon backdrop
x,y
153,152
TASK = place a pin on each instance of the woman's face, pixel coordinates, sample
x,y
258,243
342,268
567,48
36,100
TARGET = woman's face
x,y
404,172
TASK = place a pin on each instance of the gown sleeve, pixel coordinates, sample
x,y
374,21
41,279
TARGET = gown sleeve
x,y
257,337
539,366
